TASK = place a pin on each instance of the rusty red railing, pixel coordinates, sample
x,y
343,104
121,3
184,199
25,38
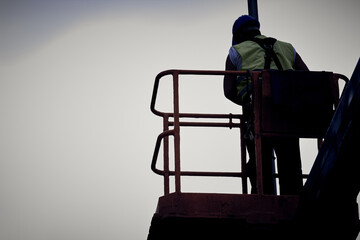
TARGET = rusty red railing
x,y
177,122
175,131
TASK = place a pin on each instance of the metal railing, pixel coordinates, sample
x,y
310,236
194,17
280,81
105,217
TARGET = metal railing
x,y
176,123
175,131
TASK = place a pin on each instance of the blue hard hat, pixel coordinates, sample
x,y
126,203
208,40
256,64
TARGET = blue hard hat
x,y
245,20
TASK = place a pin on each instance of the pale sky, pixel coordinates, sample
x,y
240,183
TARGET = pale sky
x,y
76,78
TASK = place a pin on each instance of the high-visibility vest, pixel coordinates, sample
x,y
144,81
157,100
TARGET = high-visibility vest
x,y
253,58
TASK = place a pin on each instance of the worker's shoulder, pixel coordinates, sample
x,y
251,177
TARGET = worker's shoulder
x,y
283,42
275,39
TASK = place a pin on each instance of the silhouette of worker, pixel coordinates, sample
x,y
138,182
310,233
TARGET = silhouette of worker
x,y
252,51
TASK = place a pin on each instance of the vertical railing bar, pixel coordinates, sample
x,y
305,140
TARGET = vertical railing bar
x,y
243,158
176,132
257,126
166,157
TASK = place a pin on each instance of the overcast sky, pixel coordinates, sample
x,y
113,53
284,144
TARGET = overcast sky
x,y
76,77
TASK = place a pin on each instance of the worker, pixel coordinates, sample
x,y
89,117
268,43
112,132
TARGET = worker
x,y
252,51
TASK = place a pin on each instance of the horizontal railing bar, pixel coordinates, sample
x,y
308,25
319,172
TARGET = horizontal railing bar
x,y
202,174
212,174
208,115
207,124
184,72
341,76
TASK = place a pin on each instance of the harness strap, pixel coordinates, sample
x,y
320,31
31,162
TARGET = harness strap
x,y
268,45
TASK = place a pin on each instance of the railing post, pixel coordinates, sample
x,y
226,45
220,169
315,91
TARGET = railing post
x,y
243,158
177,132
166,156
257,127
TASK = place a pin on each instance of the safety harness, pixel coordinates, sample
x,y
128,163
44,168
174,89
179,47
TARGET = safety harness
x,y
268,45
244,85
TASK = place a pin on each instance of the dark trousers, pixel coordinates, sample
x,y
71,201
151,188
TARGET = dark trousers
x,y
287,152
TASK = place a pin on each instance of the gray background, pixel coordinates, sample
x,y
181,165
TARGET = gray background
x,y
76,132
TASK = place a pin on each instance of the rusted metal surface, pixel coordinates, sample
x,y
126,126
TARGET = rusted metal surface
x,y
223,216
264,209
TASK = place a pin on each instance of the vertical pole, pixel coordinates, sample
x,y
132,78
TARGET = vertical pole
x,y
166,157
257,127
244,174
176,132
253,9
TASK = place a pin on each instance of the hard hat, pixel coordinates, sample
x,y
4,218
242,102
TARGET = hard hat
x,y
245,23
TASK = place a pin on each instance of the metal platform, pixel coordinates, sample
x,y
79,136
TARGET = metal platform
x,y
326,207
223,216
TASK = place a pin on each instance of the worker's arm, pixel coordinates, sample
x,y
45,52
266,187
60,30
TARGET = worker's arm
x,y
230,82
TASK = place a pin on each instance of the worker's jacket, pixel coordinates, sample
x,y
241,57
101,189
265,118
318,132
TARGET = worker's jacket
x,y
249,55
